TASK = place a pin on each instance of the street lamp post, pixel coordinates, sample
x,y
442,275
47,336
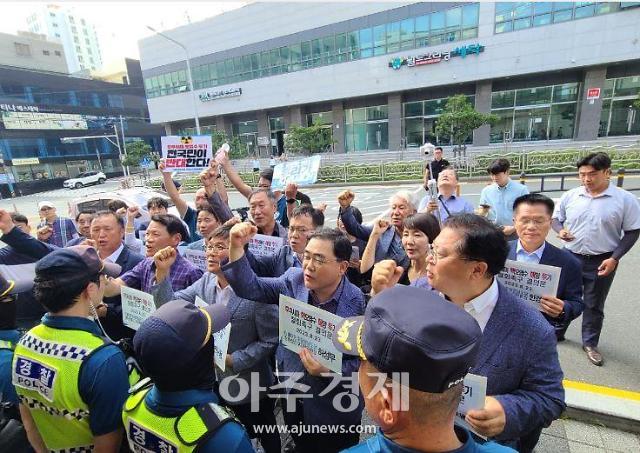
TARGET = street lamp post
x,y
189,78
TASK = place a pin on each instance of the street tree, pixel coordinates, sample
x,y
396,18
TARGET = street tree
x,y
459,118
308,140
137,151
237,149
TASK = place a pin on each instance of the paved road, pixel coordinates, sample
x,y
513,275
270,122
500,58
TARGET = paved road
x,y
621,333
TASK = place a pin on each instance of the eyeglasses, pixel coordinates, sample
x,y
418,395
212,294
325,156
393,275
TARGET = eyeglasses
x,y
46,208
301,230
215,248
264,186
534,222
317,260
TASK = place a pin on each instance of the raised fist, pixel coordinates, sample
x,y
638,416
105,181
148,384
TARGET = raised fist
x,y
386,274
241,234
346,198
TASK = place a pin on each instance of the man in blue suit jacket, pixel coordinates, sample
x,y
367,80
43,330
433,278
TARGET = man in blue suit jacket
x,y
532,219
321,283
518,352
107,231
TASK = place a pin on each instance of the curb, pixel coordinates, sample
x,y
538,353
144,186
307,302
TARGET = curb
x,y
605,406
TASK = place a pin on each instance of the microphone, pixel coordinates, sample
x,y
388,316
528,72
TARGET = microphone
x,y
432,187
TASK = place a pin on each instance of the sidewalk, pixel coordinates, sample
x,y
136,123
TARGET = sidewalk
x,y
570,436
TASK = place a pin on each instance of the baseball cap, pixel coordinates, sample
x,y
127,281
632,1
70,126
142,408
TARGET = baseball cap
x,y
171,337
412,330
73,263
45,204
7,287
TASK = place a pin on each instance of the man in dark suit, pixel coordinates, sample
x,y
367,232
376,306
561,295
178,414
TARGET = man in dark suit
x,y
532,219
107,232
518,352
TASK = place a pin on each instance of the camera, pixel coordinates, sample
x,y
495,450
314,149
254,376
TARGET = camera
x,y
427,149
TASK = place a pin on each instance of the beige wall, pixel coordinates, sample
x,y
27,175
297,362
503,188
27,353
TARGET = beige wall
x,y
36,58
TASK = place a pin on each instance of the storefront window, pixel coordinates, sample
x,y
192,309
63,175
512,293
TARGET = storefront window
x,y
533,96
366,128
619,115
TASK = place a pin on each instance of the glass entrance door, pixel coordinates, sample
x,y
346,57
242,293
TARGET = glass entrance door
x,y
531,124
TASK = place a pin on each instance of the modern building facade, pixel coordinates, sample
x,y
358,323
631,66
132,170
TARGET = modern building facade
x,y
75,33
46,120
379,74
32,51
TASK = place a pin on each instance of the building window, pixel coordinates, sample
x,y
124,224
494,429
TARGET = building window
x,y
22,50
80,59
76,40
538,113
419,121
55,25
52,14
46,52
78,49
58,53
619,116
57,35
366,129
453,24
87,41
83,22
247,132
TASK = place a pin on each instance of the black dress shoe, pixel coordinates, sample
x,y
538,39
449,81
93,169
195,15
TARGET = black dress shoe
x,y
593,355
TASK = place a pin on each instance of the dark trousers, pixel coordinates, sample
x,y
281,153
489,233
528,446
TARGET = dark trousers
x,y
264,416
595,289
316,443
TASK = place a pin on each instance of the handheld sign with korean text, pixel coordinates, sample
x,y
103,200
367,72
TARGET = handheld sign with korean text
x,y
186,154
220,340
304,326
530,281
136,307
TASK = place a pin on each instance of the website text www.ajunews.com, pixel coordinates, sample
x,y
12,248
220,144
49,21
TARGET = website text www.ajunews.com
x,y
315,429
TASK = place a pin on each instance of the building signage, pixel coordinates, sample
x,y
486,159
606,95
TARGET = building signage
x,y
27,161
593,93
436,56
213,95
48,121
18,108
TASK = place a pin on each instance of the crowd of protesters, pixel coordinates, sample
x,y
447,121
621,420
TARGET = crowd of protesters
x,y
416,291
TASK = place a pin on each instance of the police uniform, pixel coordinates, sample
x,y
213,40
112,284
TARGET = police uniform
x,y
177,412
65,373
9,337
436,352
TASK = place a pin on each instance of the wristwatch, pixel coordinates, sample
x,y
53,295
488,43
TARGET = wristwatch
x,y
291,200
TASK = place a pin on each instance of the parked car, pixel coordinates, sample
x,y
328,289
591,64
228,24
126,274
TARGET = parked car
x,y
137,196
85,179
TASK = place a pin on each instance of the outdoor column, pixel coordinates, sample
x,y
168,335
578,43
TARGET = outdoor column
x,y
395,121
483,105
295,116
588,115
338,126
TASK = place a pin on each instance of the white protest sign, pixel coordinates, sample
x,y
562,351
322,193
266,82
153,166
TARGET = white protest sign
x,y
220,340
530,281
136,307
305,326
302,172
196,257
186,154
262,245
473,396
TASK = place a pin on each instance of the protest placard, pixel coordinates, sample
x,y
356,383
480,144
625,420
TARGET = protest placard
x,y
136,307
302,172
220,340
186,154
473,396
196,257
304,326
530,281
262,245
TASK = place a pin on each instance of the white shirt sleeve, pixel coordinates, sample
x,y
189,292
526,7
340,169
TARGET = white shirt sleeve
x,y
559,212
631,214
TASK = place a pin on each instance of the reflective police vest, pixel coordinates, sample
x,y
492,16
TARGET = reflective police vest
x,y
5,344
147,431
45,373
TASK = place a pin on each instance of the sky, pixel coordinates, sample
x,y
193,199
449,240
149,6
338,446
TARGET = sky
x,y
120,25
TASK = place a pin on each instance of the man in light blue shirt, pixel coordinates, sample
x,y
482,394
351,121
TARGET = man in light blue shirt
x,y
500,196
447,202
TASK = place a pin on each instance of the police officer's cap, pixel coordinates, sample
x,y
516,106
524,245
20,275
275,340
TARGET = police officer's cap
x,y
171,337
412,330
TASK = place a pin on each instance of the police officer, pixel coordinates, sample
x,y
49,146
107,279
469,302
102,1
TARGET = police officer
x,y
70,381
435,352
179,411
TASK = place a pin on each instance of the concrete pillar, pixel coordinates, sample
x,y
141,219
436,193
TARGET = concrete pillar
x,y
223,125
588,115
337,110
263,131
394,102
167,129
295,116
483,104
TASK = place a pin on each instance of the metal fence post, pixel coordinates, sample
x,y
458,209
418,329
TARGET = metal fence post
x,y
620,177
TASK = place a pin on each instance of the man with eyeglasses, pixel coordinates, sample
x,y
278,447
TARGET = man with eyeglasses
x,y
61,229
321,282
304,221
532,219
599,223
518,353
